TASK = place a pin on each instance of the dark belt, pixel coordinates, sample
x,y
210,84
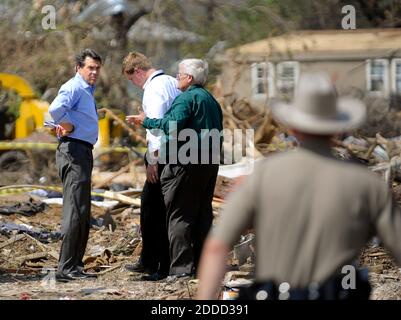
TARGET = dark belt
x,y
69,139
331,289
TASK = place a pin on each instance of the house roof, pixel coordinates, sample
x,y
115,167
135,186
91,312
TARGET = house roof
x,y
315,44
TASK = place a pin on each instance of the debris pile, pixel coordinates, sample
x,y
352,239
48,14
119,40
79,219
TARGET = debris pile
x,y
29,244
30,223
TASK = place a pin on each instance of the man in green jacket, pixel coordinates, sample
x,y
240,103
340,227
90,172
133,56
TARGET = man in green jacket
x,y
192,127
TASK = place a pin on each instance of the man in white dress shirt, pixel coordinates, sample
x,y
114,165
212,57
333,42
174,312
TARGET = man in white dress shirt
x,y
159,92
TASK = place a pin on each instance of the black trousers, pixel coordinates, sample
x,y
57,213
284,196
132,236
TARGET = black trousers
x,y
155,245
74,161
188,194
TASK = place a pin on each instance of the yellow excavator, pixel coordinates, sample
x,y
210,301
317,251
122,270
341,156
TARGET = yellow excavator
x,y
33,112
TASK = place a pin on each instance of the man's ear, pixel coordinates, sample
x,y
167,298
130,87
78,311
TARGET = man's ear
x,y
76,68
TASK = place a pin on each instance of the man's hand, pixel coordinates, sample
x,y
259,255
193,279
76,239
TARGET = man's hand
x,y
152,174
137,120
64,129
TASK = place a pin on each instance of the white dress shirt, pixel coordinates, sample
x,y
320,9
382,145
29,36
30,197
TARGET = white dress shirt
x,y
160,90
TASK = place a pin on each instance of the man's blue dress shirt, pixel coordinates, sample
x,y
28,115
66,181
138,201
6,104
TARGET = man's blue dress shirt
x,y
75,104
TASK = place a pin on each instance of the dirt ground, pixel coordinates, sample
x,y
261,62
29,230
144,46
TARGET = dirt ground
x,y
108,252
384,275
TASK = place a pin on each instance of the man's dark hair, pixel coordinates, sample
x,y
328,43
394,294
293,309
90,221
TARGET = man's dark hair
x,y
80,57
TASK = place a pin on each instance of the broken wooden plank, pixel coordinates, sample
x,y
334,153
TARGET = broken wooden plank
x,y
109,269
12,240
32,256
126,168
125,178
377,254
131,192
45,248
122,198
386,276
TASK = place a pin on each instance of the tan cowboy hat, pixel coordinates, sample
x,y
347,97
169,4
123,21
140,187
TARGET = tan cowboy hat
x,y
316,108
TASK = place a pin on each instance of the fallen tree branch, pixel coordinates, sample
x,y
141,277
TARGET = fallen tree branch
x,y
131,132
115,175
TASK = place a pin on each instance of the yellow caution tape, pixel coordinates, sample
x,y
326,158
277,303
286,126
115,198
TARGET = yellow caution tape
x,y
18,189
27,145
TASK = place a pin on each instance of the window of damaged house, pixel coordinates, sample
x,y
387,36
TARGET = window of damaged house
x,y
262,79
287,78
396,75
377,76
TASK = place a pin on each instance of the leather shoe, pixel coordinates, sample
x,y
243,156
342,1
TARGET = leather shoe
x,y
154,276
88,275
138,267
180,276
61,277
80,275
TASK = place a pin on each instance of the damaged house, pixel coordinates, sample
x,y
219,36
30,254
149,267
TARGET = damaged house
x,y
365,63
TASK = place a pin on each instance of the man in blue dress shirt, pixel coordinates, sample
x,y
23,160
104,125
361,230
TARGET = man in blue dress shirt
x,y
74,113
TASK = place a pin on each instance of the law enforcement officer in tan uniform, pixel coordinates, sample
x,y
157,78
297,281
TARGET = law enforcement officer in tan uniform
x,y
312,213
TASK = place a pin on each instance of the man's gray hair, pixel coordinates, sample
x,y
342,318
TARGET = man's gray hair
x,y
197,68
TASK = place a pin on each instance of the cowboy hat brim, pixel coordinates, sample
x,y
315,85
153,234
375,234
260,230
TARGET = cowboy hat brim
x,y
351,113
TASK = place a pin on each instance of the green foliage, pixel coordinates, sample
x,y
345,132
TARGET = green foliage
x,y
10,101
45,57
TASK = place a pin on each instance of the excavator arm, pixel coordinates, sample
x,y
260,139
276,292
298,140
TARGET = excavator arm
x,y
17,84
32,112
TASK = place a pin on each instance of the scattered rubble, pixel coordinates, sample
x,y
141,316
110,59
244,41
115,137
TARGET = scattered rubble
x,y
30,229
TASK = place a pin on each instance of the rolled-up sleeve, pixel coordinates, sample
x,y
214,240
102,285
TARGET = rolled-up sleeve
x,y
65,101
154,141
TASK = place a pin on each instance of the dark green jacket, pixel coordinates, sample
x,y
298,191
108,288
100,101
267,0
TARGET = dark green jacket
x,y
194,109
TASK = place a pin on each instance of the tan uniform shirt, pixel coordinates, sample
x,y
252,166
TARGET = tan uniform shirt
x,y
312,215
